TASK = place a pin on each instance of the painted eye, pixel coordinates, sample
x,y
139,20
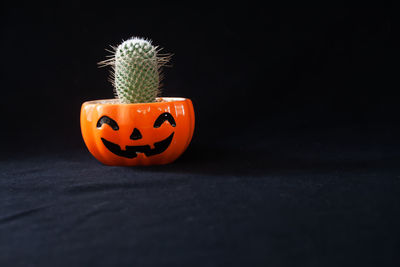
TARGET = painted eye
x,y
107,120
164,117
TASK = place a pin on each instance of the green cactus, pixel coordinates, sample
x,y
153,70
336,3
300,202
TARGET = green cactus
x,y
136,70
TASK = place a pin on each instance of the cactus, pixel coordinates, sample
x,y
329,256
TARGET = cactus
x,y
136,70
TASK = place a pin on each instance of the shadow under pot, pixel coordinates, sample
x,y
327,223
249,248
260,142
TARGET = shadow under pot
x,y
137,134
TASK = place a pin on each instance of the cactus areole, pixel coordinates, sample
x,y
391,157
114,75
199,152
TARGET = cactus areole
x,y
138,127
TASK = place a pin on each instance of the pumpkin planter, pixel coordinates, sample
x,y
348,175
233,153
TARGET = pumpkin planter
x,y
137,134
137,128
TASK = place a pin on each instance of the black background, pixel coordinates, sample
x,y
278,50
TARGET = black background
x,y
294,160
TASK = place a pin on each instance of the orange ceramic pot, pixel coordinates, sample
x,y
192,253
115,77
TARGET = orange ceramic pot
x,y
137,134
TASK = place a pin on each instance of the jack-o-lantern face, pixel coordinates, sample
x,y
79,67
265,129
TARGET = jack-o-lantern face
x,y
132,151
137,134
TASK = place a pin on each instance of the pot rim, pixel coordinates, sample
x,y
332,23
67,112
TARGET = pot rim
x,y
115,101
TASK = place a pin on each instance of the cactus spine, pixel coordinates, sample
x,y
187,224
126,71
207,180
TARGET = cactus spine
x,y
136,70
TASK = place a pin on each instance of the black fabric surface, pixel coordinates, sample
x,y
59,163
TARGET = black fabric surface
x,y
294,198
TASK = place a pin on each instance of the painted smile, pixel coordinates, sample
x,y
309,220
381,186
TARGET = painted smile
x,y
132,151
